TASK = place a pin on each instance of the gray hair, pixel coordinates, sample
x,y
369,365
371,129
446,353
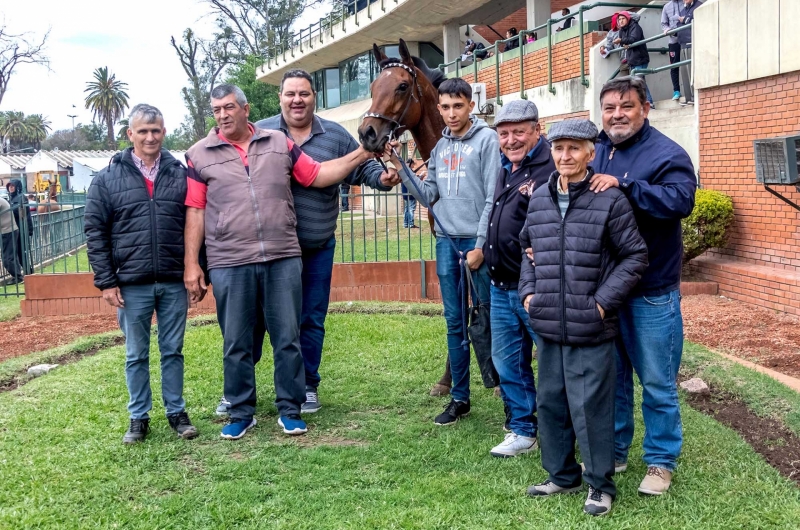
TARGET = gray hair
x,y
221,91
146,113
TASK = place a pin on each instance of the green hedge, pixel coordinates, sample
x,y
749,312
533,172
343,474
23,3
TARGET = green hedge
x,y
707,227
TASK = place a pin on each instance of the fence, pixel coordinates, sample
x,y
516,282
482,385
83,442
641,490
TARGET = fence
x,y
371,229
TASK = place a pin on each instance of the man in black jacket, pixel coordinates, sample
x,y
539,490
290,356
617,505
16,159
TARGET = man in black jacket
x,y
22,215
587,255
134,223
526,164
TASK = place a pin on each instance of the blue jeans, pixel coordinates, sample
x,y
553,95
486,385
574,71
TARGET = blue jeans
x,y
251,300
645,65
650,343
170,303
512,351
449,271
317,273
409,207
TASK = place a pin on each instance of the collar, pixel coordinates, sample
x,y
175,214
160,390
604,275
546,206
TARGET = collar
x,y
316,126
563,191
214,139
140,163
507,164
636,138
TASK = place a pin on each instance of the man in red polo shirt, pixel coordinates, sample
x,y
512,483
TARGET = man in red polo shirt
x,y
239,199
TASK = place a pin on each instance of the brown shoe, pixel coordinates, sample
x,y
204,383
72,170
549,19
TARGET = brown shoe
x,y
656,481
439,390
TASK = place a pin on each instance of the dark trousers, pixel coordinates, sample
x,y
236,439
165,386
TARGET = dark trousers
x,y
576,401
10,242
251,300
317,274
674,57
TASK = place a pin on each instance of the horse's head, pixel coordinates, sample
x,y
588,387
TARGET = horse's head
x,y
396,99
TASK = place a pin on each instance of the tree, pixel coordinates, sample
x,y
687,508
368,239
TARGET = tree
x,y
203,62
17,49
13,129
263,98
38,127
254,26
83,137
107,99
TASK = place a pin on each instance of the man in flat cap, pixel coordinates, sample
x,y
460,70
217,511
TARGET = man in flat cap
x,y
526,164
587,256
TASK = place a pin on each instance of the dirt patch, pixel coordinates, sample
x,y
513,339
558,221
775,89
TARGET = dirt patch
x,y
27,335
770,438
759,335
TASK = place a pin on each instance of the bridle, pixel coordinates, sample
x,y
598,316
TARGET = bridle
x,y
396,124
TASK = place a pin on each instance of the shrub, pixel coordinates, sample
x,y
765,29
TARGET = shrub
x,y
707,227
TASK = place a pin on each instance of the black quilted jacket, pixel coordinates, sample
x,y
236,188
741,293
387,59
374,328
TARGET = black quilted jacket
x,y
594,255
131,237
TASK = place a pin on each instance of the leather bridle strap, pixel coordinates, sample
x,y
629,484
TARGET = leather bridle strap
x,y
397,124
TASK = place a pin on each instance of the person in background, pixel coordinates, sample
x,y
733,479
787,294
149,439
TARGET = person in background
x,y
685,40
512,33
611,37
344,191
586,256
657,177
134,222
19,205
670,19
568,22
409,202
10,236
637,56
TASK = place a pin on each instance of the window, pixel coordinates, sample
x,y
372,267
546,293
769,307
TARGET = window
x,y
319,86
355,76
331,88
432,55
392,51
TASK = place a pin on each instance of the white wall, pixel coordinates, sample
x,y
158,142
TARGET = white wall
x,y
41,162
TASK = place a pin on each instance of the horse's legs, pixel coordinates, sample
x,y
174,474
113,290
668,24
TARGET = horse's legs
x,y
442,388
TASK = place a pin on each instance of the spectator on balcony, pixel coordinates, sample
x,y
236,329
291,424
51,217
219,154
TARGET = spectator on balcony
x,y
240,202
134,237
657,177
631,32
526,165
19,204
568,22
10,237
317,211
531,37
512,44
685,37
670,19
612,36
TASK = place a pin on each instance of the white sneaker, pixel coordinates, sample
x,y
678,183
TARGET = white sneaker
x,y
597,502
514,445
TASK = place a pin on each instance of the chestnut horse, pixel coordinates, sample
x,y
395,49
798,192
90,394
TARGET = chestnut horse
x,y
405,98
51,203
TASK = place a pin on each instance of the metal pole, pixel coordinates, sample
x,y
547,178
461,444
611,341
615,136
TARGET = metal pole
x,y
550,56
497,74
522,67
584,81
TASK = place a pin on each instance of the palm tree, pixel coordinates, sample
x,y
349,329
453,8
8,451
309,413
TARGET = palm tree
x,y
12,127
107,99
38,129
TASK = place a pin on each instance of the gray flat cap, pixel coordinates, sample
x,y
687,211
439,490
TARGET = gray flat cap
x,y
517,111
574,129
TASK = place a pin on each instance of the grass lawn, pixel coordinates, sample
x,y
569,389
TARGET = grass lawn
x,y
9,306
372,458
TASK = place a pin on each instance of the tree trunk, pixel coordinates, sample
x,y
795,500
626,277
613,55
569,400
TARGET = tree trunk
x,y
112,144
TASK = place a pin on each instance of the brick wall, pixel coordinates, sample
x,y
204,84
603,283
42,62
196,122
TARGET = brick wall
x,y
75,294
566,65
518,19
761,264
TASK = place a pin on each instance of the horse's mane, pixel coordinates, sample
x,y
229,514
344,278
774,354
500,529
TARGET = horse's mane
x,y
435,76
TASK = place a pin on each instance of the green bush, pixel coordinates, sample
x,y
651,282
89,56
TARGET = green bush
x,y
707,227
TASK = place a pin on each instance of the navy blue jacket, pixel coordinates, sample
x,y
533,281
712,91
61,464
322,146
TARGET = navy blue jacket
x,y
512,193
657,177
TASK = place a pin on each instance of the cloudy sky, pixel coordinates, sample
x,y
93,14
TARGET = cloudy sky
x,y
131,38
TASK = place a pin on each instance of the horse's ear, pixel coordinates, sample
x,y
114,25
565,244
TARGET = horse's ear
x,y
379,55
404,54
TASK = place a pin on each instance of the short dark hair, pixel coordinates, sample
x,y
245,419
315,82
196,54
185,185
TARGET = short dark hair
x,y
567,11
298,73
224,90
456,87
513,31
623,85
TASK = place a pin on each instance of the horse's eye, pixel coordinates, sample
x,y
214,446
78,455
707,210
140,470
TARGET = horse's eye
x,y
403,87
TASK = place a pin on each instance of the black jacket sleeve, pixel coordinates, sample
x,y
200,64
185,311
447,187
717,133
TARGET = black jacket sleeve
x,y
527,277
98,220
634,35
630,251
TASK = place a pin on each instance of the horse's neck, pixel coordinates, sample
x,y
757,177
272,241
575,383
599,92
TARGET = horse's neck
x,y
429,130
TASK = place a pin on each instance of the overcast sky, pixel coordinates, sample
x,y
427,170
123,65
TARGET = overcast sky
x,y
132,39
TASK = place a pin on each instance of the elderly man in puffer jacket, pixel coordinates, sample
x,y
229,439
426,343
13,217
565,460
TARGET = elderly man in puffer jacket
x,y
587,255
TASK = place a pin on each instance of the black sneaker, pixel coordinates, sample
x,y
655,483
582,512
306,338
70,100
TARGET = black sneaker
x,y
452,412
181,424
137,432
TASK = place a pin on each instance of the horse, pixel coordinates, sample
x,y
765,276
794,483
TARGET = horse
x,y
51,203
405,98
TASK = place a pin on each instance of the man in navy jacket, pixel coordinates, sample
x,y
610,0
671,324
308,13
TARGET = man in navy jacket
x,y
657,177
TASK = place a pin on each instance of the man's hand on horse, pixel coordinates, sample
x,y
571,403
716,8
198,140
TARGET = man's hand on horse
x,y
475,259
390,178
195,282
113,297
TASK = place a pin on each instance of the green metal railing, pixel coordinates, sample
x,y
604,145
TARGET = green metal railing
x,y
549,36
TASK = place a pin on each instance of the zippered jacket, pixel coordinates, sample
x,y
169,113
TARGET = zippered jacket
x,y
133,238
593,255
